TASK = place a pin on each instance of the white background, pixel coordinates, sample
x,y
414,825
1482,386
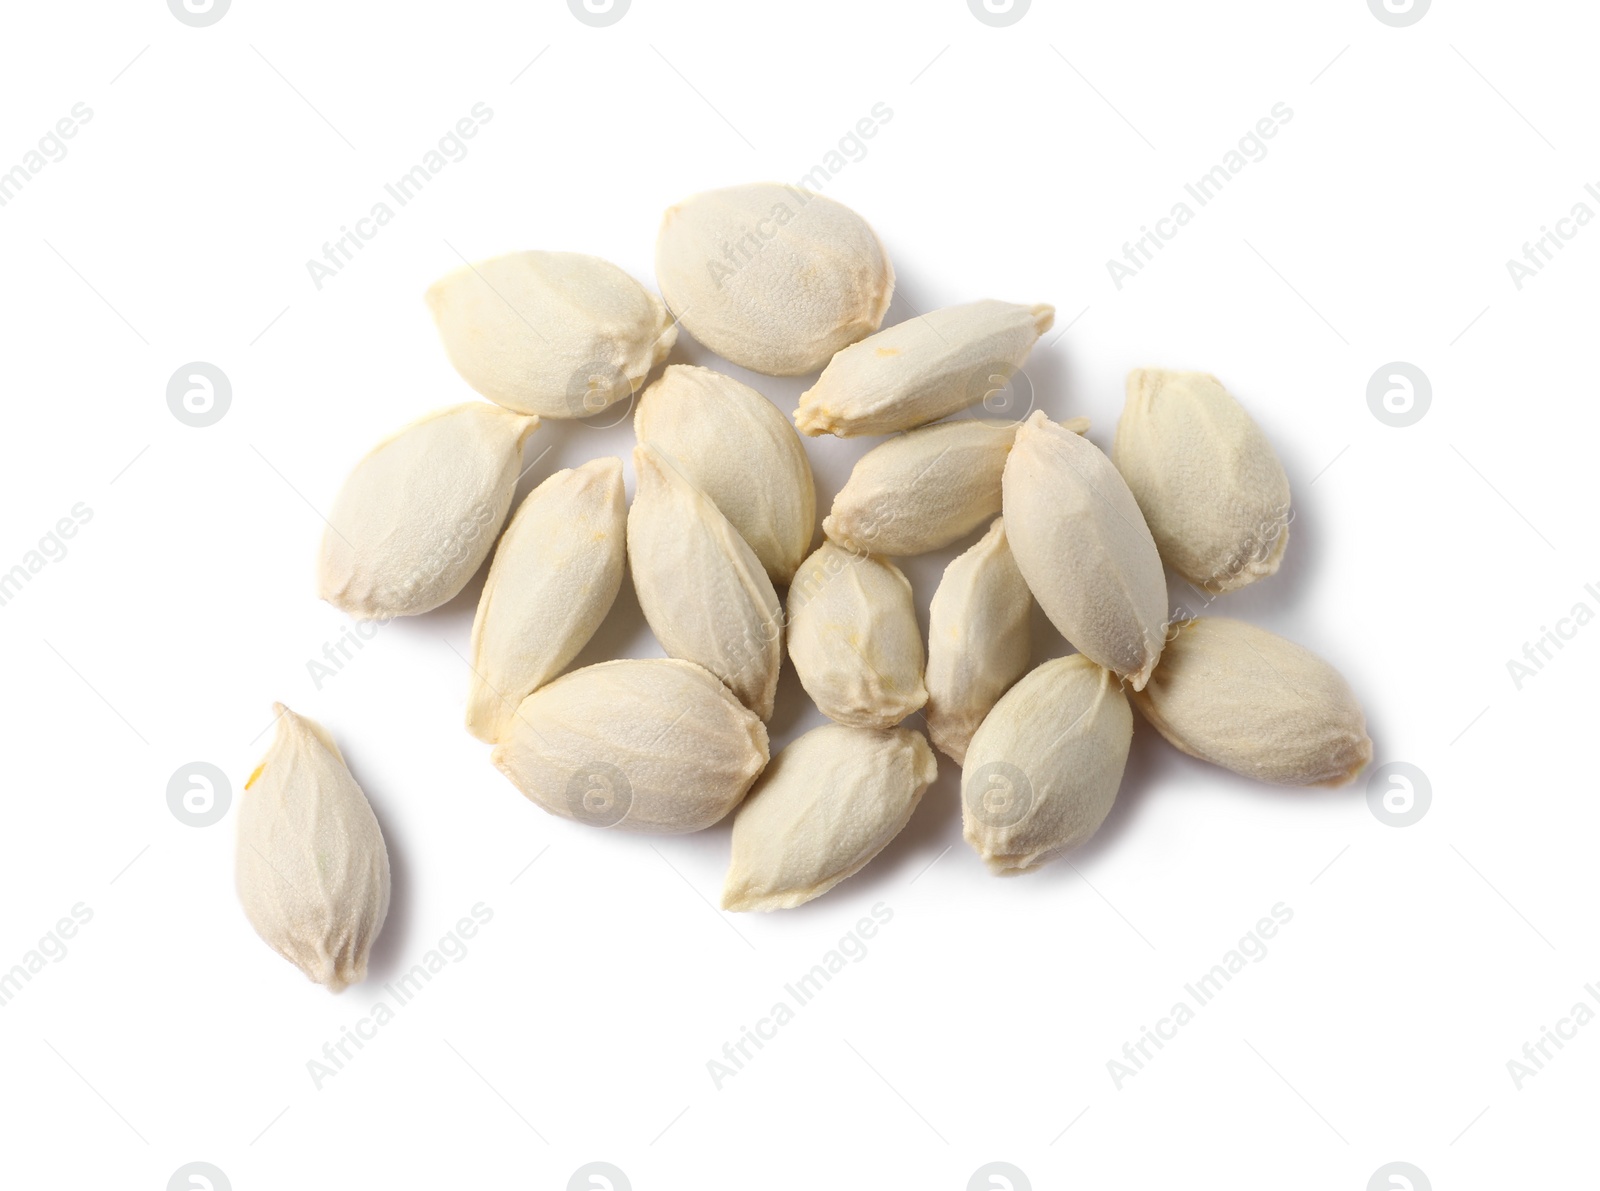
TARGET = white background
x,y
978,1026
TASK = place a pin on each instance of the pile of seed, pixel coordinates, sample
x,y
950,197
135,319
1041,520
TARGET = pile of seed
x,y
785,283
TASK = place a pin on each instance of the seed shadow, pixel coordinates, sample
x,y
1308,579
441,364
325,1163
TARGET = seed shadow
x,y
789,710
454,617
1053,383
1048,379
1269,599
933,829
1272,792
620,633
384,959
559,451
911,299
782,391
1153,767
934,826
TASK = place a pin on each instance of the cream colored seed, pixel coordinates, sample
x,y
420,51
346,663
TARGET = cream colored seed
x,y
555,574
923,369
924,489
1082,545
854,640
772,277
1250,701
828,803
979,640
701,588
656,745
557,334
735,446
1208,482
1043,769
417,516
310,865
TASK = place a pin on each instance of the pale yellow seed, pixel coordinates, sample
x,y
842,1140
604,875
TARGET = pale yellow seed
x,y
738,448
652,745
854,640
555,574
1042,772
310,863
979,640
1250,701
923,369
774,278
417,516
700,586
924,489
1082,545
827,804
1207,480
557,334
